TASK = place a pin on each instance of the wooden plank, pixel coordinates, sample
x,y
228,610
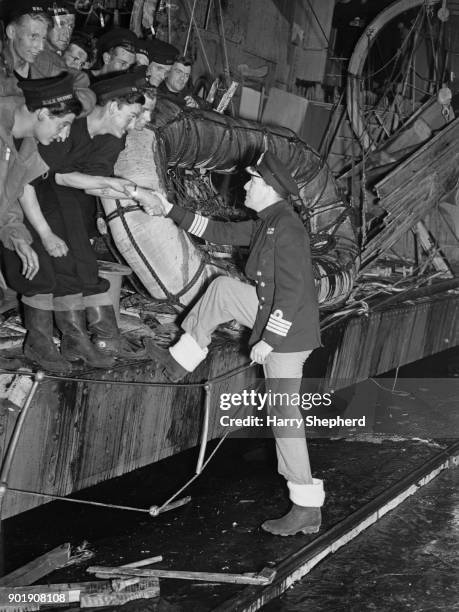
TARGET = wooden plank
x,y
411,190
110,598
433,150
266,576
117,584
439,262
39,567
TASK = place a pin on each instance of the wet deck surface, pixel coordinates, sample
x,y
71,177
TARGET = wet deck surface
x,y
409,560
412,549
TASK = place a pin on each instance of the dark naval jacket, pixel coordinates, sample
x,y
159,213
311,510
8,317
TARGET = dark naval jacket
x,y
280,266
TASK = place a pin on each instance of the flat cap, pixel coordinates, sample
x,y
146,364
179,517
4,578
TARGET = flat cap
x,y
118,37
161,52
39,93
12,9
275,173
117,84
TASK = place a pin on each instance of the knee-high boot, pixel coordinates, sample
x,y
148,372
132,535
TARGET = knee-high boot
x,y
105,334
76,344
39,345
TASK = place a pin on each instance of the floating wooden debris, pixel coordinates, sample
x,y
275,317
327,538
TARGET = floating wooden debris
x,y
116,584
39,567
266,576
142,589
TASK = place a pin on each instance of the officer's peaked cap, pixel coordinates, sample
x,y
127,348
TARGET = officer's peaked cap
x,y
275,173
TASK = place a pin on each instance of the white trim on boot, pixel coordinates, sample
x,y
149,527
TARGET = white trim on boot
x,y
308,495
188,353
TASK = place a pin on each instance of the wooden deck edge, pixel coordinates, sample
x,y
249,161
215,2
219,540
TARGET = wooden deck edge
x,y
301,562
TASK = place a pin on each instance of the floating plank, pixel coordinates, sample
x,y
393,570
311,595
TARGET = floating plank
x,y
39,567
117,584
142,590
266,576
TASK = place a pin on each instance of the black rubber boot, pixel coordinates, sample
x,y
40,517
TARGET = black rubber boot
x,y
76,344
39,346
170,367
105,334
300,519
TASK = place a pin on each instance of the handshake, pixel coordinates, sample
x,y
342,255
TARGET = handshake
x,y
153,202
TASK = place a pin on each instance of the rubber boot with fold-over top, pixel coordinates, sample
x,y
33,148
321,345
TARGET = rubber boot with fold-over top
x,y
76,344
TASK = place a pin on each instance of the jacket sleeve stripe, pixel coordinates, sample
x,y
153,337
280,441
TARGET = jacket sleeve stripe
x,y
278,326
280,322
274,330
198,227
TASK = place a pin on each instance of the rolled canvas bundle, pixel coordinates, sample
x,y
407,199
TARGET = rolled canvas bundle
x,y
169,264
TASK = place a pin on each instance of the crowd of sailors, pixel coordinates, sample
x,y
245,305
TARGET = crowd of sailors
x,y
67,101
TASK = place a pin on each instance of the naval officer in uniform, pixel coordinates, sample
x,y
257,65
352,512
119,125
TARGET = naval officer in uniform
x,y
279,305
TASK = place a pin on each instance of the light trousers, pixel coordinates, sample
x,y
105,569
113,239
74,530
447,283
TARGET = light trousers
x,y
227,299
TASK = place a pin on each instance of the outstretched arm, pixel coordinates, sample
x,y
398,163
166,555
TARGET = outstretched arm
x,y
219,232
79,180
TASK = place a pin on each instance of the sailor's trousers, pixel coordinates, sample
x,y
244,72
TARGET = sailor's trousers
x,y
227,299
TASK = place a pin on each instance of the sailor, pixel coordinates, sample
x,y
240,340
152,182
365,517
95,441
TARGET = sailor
x,y
62,14
161,56
175,87
44,115
79,53
280,306
116,51
26,25
70,285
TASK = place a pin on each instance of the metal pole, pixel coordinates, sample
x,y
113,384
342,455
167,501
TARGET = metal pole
x,y
185,49
199,37
205,428
207,17
8,459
